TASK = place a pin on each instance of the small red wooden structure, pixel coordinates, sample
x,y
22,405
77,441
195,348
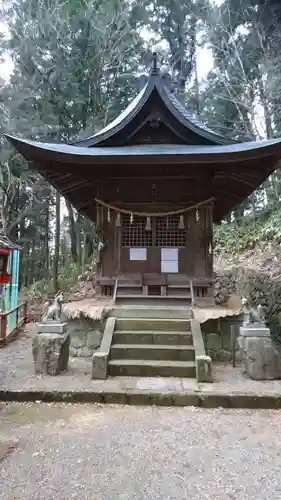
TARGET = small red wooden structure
x,y
13,314
5,276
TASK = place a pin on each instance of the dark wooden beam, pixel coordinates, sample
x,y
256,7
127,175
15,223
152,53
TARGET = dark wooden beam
x,y
74,186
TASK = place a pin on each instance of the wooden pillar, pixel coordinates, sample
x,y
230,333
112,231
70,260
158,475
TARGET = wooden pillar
x,y
118,232
25,311
211,240
99,252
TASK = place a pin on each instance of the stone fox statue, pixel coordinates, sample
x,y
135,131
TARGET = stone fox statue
x,y
253,316
53,311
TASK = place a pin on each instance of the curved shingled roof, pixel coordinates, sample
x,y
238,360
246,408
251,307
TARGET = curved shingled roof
x,y
203,161
155,84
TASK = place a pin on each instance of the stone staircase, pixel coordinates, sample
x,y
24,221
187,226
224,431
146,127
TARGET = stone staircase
x,y
152,347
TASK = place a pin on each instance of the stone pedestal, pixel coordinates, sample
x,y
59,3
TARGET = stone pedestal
x,y
204,369
260,356
50,352
52,326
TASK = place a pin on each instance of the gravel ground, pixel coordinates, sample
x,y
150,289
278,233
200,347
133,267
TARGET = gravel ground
x,y
17,369
125,453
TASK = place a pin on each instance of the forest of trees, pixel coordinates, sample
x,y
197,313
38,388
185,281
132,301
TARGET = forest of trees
x,y
77,64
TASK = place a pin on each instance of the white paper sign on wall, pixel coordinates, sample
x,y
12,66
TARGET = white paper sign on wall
x,y
169,266
169,254
169,260
138,253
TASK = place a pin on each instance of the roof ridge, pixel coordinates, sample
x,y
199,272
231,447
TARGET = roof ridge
x,y
155,82
194,117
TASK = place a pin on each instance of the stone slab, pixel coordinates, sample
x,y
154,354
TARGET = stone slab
x,y
52,327
196,399
254,332
100,358
197,338
151,312
159,384
99,365
189,385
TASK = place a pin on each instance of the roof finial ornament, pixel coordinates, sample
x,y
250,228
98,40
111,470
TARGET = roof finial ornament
x,y
159,53
154,69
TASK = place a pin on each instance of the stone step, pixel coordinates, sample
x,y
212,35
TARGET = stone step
x,y
129,290
148,300
150,368
152,337
178,293
153,324
146,352
151,312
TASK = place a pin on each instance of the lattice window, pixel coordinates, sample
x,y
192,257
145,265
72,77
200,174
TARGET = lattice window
x,y
134,234
168,233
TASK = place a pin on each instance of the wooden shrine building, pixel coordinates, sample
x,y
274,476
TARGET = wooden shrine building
x,y
154,181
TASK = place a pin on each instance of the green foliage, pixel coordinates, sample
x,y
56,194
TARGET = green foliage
x,y
68,60
67,278
232,238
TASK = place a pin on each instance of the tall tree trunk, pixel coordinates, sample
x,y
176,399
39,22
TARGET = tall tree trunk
x,y
197,93
84,254
238,214
72,232
267,114
46,240
57,245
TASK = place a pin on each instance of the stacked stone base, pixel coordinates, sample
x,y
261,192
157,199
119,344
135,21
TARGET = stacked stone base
x,y
261,357
85,336
50,350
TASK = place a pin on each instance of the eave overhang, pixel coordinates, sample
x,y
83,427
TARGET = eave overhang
x,y
232,172
227,154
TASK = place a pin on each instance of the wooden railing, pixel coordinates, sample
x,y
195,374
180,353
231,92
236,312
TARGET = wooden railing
x,y
192,294
115,289
20,312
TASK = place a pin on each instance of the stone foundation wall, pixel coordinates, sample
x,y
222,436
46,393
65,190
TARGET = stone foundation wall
x,y
85,336
217,338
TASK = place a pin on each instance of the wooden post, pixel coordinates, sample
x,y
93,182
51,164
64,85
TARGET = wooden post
x,y
119,250
3,328
233,343
25,312
192,294
57,245
17,317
